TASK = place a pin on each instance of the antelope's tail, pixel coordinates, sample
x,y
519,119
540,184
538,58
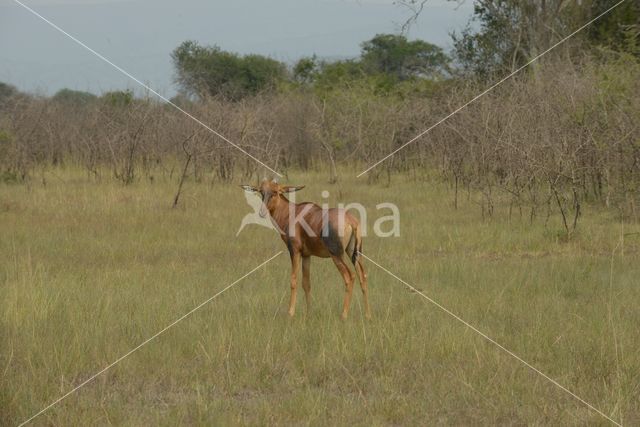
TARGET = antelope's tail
x,y
355,244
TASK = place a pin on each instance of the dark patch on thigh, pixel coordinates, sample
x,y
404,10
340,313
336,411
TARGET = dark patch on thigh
x,y
354,256
332,242
290,246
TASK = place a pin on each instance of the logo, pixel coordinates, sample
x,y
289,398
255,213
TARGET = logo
x,y
255,202
384,226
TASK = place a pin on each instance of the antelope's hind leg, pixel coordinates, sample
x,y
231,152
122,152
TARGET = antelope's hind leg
x,y
306,280
362,277
349,277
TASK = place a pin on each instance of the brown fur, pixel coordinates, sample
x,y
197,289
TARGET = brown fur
x,y
342,237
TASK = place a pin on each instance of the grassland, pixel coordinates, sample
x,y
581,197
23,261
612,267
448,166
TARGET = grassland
x,y
88,270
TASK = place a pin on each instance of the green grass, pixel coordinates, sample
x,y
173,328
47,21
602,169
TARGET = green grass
x,y
89,270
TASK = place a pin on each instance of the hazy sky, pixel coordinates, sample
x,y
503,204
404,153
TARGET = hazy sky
x,y
139,35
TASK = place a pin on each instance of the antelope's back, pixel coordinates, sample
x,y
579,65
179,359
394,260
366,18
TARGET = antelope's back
x,y
332,229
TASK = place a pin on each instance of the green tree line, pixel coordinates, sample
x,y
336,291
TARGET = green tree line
x,y
502,35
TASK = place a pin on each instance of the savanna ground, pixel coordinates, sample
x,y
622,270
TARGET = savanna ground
x,y
91,269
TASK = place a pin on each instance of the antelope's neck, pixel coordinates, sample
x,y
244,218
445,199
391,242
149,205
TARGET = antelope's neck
x,y
280,212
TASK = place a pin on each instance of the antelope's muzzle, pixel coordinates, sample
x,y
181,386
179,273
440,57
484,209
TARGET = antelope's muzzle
x,y
264,211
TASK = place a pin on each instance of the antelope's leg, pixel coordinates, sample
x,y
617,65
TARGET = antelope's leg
x,y
362,277
306,280
295,266
348,278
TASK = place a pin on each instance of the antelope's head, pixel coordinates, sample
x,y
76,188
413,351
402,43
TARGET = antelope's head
x,y
270,191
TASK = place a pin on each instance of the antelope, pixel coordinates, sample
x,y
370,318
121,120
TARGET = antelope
x,y
308,231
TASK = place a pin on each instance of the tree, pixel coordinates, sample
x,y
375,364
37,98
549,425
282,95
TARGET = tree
x,y
260,72
512,32
209,71
337,73
415,8
74,97
385,61
306,70
119,98
7,91
396,56
619,29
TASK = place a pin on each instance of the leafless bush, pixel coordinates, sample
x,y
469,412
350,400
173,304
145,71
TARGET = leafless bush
x,y
567,137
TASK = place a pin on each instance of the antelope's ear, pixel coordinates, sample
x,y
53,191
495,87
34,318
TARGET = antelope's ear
x,y
249,188
291,188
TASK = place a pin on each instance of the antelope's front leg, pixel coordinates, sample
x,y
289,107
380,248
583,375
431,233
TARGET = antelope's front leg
x,y
295,266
